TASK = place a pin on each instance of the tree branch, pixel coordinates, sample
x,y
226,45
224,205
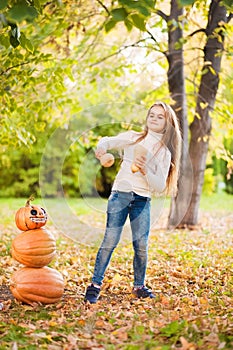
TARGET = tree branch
x,y
162,14
17,65
229,17
201,30
120,50
106,9
23,64
153,38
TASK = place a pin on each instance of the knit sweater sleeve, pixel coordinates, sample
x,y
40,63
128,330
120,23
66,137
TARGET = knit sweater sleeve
x,y
157,176
119,141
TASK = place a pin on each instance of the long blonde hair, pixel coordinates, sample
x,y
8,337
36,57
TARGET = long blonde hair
x,y
172,140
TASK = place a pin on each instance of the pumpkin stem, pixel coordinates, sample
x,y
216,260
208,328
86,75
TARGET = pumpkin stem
x,y
31,198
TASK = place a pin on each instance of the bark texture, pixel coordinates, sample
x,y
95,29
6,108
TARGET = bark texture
x,y
184,208
176,82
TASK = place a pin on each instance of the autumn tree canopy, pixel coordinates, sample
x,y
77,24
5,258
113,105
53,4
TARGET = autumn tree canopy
x,y
62,60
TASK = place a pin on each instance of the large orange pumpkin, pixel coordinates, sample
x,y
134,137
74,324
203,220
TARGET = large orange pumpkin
x,y
34,248
37,286
30,216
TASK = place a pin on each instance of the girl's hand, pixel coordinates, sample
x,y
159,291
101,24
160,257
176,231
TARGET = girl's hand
x,y
140,162
99,152
143,171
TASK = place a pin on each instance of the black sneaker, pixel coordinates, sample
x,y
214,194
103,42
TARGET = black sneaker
x,y
92,294
143,292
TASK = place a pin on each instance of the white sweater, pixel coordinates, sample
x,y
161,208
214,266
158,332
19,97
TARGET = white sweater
x,y
157,165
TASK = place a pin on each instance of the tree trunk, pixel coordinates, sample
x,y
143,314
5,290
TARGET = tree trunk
x,y
176,82
200,128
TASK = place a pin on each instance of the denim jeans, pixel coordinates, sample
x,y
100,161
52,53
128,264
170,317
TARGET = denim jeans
x,y
120,206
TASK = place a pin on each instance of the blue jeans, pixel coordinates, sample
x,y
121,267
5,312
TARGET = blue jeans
x,y
120,206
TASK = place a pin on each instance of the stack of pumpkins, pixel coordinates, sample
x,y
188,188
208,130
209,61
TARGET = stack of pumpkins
x,y
35,247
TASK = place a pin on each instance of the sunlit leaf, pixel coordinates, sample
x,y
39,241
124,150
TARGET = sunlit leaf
x,y
14,41
4,40
186,2
25,43
204,105
3,4
110,24
128,24
20,12
119,14
228,4
138,21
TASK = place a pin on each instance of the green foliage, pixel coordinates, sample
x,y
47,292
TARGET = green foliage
x,y
21,11
186,2
66,164
13,13
209,185
132,14
227,3
57,65
228,165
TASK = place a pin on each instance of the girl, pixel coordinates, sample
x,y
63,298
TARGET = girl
x,y
132,190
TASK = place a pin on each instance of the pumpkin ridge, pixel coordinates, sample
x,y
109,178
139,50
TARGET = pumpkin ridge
x,y
40,299
40,262
26,221
18,296
34,249
44,285
29,244
39,291
28,254
27,258
35,291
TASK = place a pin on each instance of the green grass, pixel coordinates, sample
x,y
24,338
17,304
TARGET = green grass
x,y
215,202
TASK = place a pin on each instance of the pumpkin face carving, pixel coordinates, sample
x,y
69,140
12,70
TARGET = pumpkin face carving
x,y
30,217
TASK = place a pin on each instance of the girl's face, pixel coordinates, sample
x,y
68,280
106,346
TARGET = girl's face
x,y
156,120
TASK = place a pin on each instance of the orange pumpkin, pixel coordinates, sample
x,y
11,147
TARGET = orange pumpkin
x,y
34,248
37,286
107,160
30,216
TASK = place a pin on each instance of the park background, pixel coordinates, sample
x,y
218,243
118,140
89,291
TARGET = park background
x,y
74,71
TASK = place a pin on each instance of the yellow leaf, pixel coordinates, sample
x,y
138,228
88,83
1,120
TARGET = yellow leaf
x,y
212,70
49,337
203,301
197,115
117,277
203,105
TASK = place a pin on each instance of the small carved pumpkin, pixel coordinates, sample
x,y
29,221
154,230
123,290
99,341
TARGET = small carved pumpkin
x,y
30,216
34,248
37,286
